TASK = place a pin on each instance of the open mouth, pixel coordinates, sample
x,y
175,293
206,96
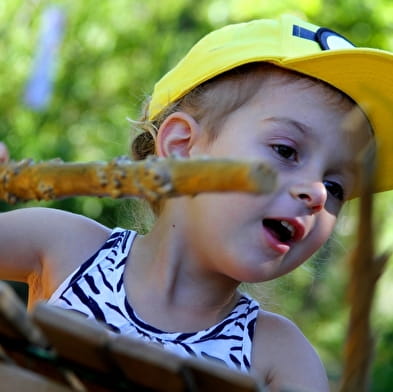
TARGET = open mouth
x,y
280,229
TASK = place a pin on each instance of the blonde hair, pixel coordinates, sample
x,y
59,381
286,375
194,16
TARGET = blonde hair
x,y
211,101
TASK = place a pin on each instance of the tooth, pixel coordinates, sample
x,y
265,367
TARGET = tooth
x,y
288,226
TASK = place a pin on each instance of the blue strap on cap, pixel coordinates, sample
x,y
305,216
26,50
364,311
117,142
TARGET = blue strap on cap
x,y
326,38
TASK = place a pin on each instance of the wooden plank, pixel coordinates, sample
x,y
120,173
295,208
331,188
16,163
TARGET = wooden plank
x,y
84,343
208,376
81,347
73,337
147,364
15,323
14,378
90,344
24,345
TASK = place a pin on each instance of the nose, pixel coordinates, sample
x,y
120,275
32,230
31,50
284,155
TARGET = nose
x,y
312,194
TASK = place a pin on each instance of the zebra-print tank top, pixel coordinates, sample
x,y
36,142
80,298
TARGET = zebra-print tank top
x,y
96,289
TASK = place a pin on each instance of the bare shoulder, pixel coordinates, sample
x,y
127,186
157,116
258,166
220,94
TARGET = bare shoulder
x,y
43,245
283,357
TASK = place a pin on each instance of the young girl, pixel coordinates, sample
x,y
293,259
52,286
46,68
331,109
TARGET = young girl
x,y
280,91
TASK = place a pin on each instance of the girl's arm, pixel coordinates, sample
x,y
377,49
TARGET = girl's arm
x,y
284,358
42,246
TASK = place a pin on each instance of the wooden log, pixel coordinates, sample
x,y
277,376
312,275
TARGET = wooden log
x,y
152,179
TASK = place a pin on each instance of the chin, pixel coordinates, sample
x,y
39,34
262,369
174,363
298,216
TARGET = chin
x,y
259,274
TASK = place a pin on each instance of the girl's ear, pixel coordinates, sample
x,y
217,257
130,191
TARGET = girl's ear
x,y
177,135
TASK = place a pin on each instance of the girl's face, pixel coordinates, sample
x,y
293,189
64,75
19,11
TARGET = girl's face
x,y
298,131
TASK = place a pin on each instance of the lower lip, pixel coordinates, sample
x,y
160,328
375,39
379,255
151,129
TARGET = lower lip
x,y
274,243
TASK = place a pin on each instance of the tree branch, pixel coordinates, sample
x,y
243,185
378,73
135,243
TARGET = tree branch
x,y
153,179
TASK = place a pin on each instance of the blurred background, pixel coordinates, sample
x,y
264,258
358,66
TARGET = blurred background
x,y
72,73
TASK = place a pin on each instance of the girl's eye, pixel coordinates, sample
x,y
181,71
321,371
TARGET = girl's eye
x,y
335,189
285,151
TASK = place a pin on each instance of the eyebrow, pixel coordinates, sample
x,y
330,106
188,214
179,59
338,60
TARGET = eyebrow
x,y
300,126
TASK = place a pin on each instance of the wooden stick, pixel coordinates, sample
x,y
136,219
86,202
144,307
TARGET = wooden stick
x,y
152,179
365,268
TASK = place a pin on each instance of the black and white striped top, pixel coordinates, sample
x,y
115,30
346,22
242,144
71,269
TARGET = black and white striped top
x,y
96,289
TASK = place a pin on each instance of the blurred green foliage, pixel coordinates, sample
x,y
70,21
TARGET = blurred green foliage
x,y
111,54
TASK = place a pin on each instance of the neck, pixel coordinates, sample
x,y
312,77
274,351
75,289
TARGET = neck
x,y
169,286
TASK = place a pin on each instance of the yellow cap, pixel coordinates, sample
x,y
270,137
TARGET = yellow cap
x,y
365,74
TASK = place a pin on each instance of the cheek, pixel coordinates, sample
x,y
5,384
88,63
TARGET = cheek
x,y
316,239
310,245
323,229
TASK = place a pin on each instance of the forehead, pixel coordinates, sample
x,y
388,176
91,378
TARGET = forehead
x,y
313,101
331,95
324,94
